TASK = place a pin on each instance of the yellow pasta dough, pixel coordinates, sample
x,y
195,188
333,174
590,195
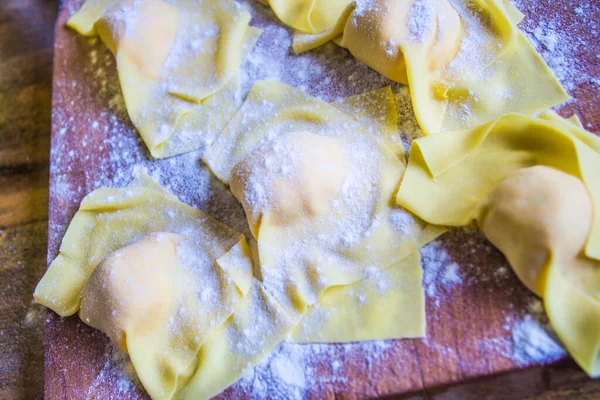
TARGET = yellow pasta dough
x,y
300,192
537,215
126,243
258,325
534,186
573,307
317,188
174,289
450,175
310,16
133,290
390,304
376,31
178,64
162,279
465,65
540,218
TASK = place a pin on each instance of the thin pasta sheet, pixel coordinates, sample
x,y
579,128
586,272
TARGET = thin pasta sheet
x,y
465,61
389,304
310,16
318,190
178,64
450,176
205,291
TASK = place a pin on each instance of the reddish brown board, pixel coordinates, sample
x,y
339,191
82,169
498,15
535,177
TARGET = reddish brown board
x,y
90,147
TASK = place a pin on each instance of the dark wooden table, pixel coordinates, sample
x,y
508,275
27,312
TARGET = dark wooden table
x,y
26,41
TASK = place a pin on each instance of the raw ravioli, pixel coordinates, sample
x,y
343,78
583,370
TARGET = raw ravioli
x,y
206,288
466,62
540,218
553,243
127,248
310,16
318,190
135,290
178,64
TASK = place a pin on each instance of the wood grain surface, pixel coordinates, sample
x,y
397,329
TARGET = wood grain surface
x,y
26,48
74,350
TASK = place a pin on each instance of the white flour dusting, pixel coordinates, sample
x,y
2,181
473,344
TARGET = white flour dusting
x,y
479,47
294,371
118,374
291,370
557,49
533,342
401,220
440,273
451,275
421,20
479,44
533,338
555,39
35,315
526,339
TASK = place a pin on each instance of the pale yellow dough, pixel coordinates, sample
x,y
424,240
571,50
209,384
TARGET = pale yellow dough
x,y
164,281
388,305
315,171
537,216
178,64
310,16
174,289
133,290
464,65
534,186
540,218
317,187
376,34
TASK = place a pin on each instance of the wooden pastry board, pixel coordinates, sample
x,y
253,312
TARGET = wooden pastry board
x,y
93,144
